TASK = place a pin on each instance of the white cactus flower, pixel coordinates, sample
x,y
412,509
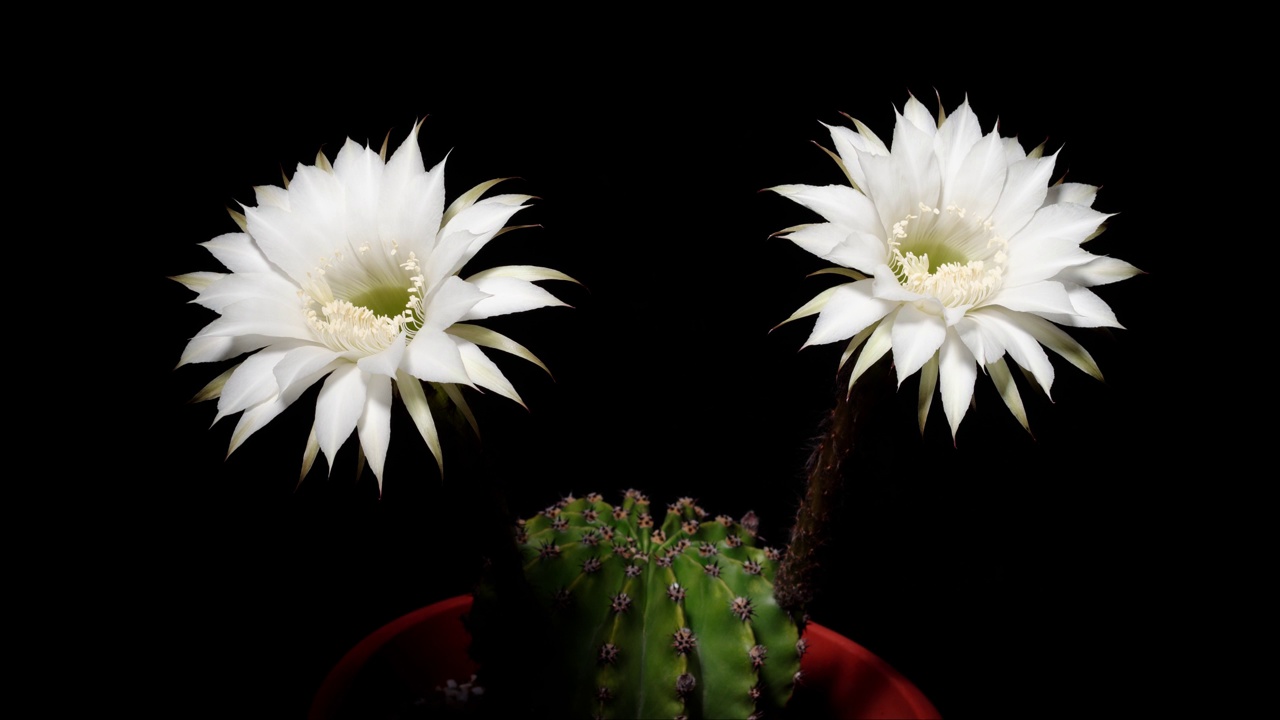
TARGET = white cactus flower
x,y
960,252
350,274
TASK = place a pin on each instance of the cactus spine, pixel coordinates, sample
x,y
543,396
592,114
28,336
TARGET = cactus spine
x,y
655,619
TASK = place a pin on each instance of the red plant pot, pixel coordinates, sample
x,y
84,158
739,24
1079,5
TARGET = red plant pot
x,y
416,653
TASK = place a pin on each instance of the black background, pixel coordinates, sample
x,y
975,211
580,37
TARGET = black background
x,y
1001,574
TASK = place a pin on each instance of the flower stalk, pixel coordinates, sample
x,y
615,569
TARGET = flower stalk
x,y
843,432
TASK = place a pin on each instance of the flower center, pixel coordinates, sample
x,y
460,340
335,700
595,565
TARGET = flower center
x,y
359,306
955,259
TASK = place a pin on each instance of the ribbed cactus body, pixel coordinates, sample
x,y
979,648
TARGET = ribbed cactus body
x,y
656,615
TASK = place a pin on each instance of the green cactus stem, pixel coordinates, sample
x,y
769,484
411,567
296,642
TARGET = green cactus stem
x,y
626,616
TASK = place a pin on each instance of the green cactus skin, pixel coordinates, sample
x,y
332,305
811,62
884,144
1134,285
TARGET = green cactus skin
x,y
654,619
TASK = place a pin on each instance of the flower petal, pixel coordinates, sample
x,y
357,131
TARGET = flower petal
x,y
415,401
1099,271
484,372
253,382
928,383
485,337
1020,345
850,308
509,295
374,425
838,204
338,408
999,372
916,337
957,373
434,357
238,253
879,343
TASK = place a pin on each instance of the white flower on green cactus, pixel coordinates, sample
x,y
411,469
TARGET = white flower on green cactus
x,y
959,251
350,275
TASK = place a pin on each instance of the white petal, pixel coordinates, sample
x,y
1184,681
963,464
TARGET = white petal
x,y
879,343
198,281
433,356
509,295
1050,242
253,382
837,204
238,253
1071,193
302,362
957,136
374,425
483,372
415,401
386,362
852,249
338,408
359,170
1098,271
448,257
1042,298
1090,310
916,337
847,144
887,287
984,344
850,309
1052,337
215,348
917,164
999,372
272,195
1025,186
268,317
813,307
248,286
979,179
928,383
451,302
485,337
1021,346
483,220
254,419
412,200
531,273
957,374
919,116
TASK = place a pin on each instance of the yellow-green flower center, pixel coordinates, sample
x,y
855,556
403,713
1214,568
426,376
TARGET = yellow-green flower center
x,y
361,307
946,255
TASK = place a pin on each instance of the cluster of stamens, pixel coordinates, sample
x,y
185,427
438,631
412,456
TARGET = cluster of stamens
x,y
347,326
954,284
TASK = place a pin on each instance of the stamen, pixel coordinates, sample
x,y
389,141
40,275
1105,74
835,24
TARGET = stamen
x,y
965,281
349,310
